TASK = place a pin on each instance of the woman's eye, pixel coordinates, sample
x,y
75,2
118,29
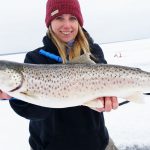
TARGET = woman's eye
x,y
59,18
73,18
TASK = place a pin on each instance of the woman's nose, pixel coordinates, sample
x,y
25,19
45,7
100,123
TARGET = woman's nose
x,y
66,24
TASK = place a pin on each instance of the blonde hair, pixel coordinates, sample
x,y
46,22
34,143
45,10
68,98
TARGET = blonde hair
x,y
81,45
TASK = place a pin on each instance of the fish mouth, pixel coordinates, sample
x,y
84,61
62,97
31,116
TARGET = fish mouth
x,y
20,85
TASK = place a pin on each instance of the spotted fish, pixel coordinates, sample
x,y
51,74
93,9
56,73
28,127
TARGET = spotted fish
x,y
73,84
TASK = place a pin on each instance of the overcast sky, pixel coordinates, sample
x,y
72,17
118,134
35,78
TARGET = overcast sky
x,y
22,23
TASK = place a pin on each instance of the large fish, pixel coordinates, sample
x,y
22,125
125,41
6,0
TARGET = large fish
x,y
67,85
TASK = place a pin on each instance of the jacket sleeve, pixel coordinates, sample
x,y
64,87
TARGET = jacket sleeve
x,y
95,49
98,54
27,110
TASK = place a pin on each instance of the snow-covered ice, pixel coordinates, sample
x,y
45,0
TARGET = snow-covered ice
x,y
129,125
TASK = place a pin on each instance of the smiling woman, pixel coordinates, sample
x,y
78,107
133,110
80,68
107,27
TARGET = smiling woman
x,y
65,27
69,128
119,21
110,21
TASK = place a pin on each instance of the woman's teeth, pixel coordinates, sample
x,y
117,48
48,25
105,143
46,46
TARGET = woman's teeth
x,y
66,33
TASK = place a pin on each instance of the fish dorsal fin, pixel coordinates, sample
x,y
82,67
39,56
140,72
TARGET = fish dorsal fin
x,y
83,59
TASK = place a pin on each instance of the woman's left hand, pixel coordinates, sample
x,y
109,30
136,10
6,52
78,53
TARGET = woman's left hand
x,y
109,104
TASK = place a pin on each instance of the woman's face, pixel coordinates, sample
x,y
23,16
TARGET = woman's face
x,y
65,27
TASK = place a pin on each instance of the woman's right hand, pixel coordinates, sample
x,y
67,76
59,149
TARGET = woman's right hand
x,y
4,96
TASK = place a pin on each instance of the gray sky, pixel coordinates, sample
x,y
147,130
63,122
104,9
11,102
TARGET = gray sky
x,y
22,23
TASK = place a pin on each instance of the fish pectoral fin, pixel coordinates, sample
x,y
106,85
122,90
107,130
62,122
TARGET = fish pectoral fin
x,y
83,59
136,97
24,94
94,104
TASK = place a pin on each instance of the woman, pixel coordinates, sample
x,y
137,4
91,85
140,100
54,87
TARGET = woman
x,y
76,128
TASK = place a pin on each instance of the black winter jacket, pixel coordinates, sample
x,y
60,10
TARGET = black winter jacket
x,y
75,128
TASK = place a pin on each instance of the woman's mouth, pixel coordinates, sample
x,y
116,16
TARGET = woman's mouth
x,y
66,32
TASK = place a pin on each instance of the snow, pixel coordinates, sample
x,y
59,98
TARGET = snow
x,y
13,129
129,125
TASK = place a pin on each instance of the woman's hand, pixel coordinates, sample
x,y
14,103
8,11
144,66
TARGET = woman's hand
x,y
109,104
4,96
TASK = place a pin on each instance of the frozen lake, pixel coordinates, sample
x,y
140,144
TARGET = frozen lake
x,y
129,125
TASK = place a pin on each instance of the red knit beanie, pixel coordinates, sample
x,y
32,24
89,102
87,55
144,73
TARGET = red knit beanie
x,y
55,8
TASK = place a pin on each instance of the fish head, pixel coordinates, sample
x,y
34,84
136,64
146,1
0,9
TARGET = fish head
x,y
10,76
